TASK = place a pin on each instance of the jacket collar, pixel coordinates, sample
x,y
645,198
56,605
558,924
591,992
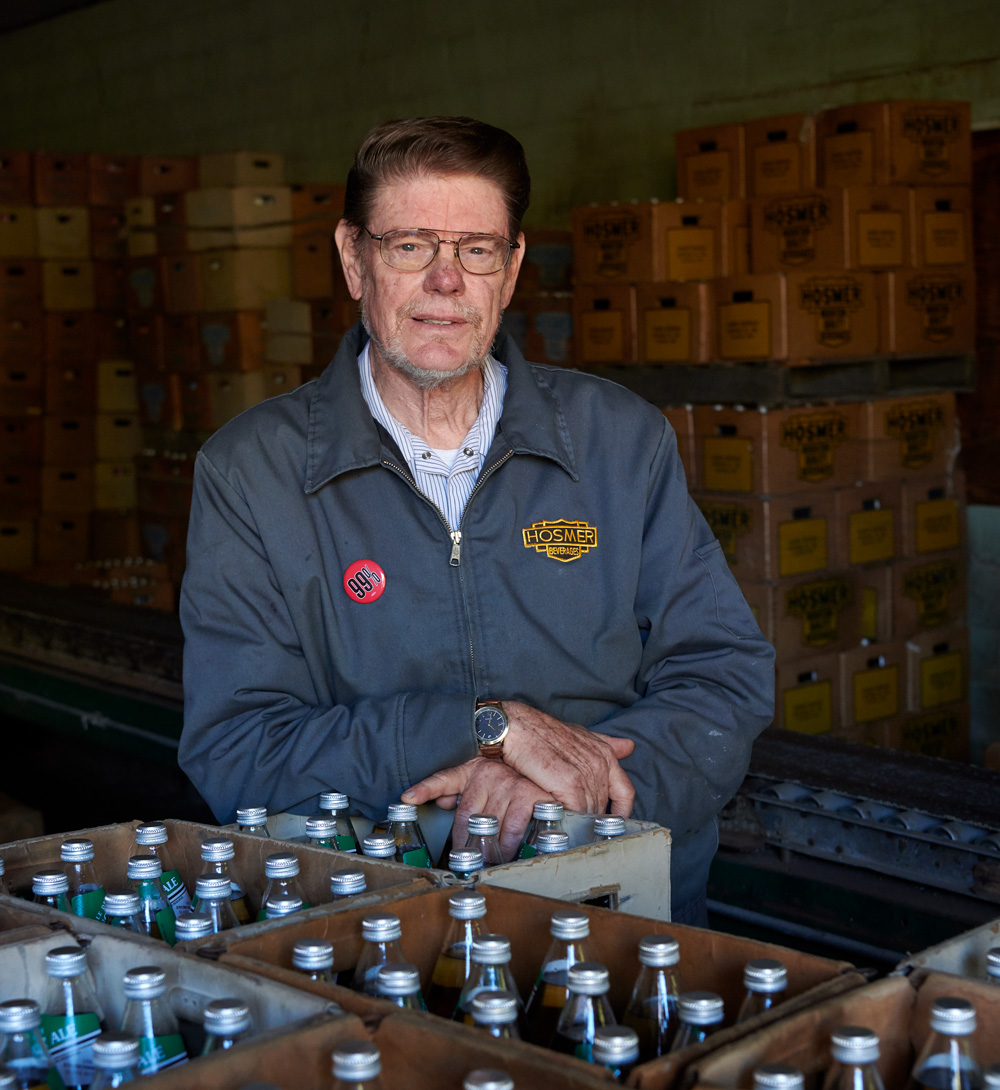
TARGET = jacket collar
x,y
344,436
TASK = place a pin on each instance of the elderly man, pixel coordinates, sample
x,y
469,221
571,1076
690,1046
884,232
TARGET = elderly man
x,y
440,572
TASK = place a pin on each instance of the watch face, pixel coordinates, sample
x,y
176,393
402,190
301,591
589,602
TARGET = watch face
x,y
491,725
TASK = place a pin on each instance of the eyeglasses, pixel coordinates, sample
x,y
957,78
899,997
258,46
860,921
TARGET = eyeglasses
x,y
414,249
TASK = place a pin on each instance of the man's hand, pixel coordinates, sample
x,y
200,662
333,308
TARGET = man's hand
x,y
578,767
482,786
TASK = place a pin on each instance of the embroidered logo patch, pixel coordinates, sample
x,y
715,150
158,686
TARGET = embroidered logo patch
x,y
559,539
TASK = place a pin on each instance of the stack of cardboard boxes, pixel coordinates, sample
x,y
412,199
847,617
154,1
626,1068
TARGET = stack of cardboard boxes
x,y
540,316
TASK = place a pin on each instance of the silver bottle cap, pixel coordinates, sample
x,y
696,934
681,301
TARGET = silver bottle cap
x,y
588,978
494,1007
854,1044
570,923
194,925
398,978
279,907
348,880
223,1016
378,846
3,869
483,825
381,927
154,833
333,800
121,902
490,949
212,887
991,1077
699,1008
321,828
18,1015
401,811
659,950
217,849
47,883
251,815
313,954
8,1079
464,860
66,961
551,840
616,1045
281,865
466,904
113,1050
144,868
487,1078
76,851
778,1077
765,975
548,811
145,982
950,1014
356,1060
992,961
609,825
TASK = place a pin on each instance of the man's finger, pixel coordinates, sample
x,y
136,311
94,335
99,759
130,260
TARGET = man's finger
x,y
622,792
621,747
449,781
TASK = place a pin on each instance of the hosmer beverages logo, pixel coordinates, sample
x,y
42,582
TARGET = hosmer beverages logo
x,y
832,300
560,540
814,437
930,586
917,427
795,220
937,298
729,522
818,606
612,235
933,130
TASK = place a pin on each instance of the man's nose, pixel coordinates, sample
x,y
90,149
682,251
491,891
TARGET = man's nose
x,y
445,273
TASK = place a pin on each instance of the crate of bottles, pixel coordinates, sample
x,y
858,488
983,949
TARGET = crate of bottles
x,y
896,1010
428,928
964,955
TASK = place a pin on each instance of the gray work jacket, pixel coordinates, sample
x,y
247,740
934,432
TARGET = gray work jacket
x,y
585,583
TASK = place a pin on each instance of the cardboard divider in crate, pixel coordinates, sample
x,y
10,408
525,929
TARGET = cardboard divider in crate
x,y
963,955
897,1008
708,959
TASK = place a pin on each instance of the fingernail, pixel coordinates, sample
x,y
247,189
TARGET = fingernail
x,y
407,796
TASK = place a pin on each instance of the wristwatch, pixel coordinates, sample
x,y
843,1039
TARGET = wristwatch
x,y
490,722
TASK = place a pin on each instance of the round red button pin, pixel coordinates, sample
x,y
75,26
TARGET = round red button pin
x,y
364,581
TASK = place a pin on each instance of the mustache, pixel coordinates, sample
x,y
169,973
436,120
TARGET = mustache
x,y
459,309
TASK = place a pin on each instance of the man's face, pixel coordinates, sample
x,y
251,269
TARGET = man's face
x,y
439,323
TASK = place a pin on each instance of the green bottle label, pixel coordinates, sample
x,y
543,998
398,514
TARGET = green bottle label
x,y
417,857
583,1051
70,1041
89,904
347,844
175,890
159,1053
165,920
528,851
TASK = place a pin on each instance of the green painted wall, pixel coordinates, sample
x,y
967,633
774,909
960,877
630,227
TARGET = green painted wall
x,y
593,89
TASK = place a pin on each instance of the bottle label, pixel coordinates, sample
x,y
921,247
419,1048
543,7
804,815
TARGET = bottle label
x,y
88,903
417,857
583,1051
346,844
159,1053
528,851
176,892
70,1040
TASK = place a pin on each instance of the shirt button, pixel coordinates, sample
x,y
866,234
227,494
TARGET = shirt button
x,y
425,455
468,452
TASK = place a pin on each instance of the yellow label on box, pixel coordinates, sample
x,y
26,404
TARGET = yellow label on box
x,y
809,708
942,680
819,606
667,335
709,175
691,253
871,536
727,464
944,238
869,613
745,330
777,168
937,525
876,694
933,735
801,546
849,159
729,522
933,586
880,239
602,336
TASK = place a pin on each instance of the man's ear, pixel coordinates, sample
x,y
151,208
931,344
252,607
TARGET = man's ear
x,y
349,258
510,273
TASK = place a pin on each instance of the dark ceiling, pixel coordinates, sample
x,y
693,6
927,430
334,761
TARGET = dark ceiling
x,y
15,14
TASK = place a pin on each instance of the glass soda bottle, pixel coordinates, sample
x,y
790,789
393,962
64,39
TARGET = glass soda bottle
x,y
335,805
399,982
282,872
379,846
195,925
586,1009
22,1049
991,1077
212,898
855,1052
277,908
314,957
569,927
403,827
357,1065
545,817
465,864
86,894
347,882
993,965
496,1012
551,841
484,832
948,1059
148,1017
765,980
778,1077
487,1078
617,1049
218,852
652,1007
252,820
116,1060
608,827
467,910
489,972
71,1015
227,1023
380,935
123,908
321,832
151,840
50,888
699,1015
157,915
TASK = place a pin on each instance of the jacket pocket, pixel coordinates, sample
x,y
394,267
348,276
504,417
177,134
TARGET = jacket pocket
x,y
732,611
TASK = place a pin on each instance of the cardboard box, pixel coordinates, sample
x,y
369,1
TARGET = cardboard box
x,y
313,266
831,316
781,155
180,342
711,163
71,338
71,389
232,342
68,440
604,321
68,489
18,231
22,338
20,491
877,227
238,216
183,292
114,534
244,279
930,142
688,236
735,238
877,623
908,435
930,592
160,399
681,420
853,145
116,387
942,226
60,179
68,285
20,285
140,222
933,514
747,318
231,392
279,378
240,168
288,325
962,955
871,683
167,174
112,179
196,402
927,311
807,696
869,523
63,232
108,234
170,217
548,336
547,263
17,544
144,284
165,540
164,484
20,440
784,450
118,436
114,486
111,286
819,614
63,539
801,230
615,243
671,322
316,209
937,672
15,177
21,386
145,334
